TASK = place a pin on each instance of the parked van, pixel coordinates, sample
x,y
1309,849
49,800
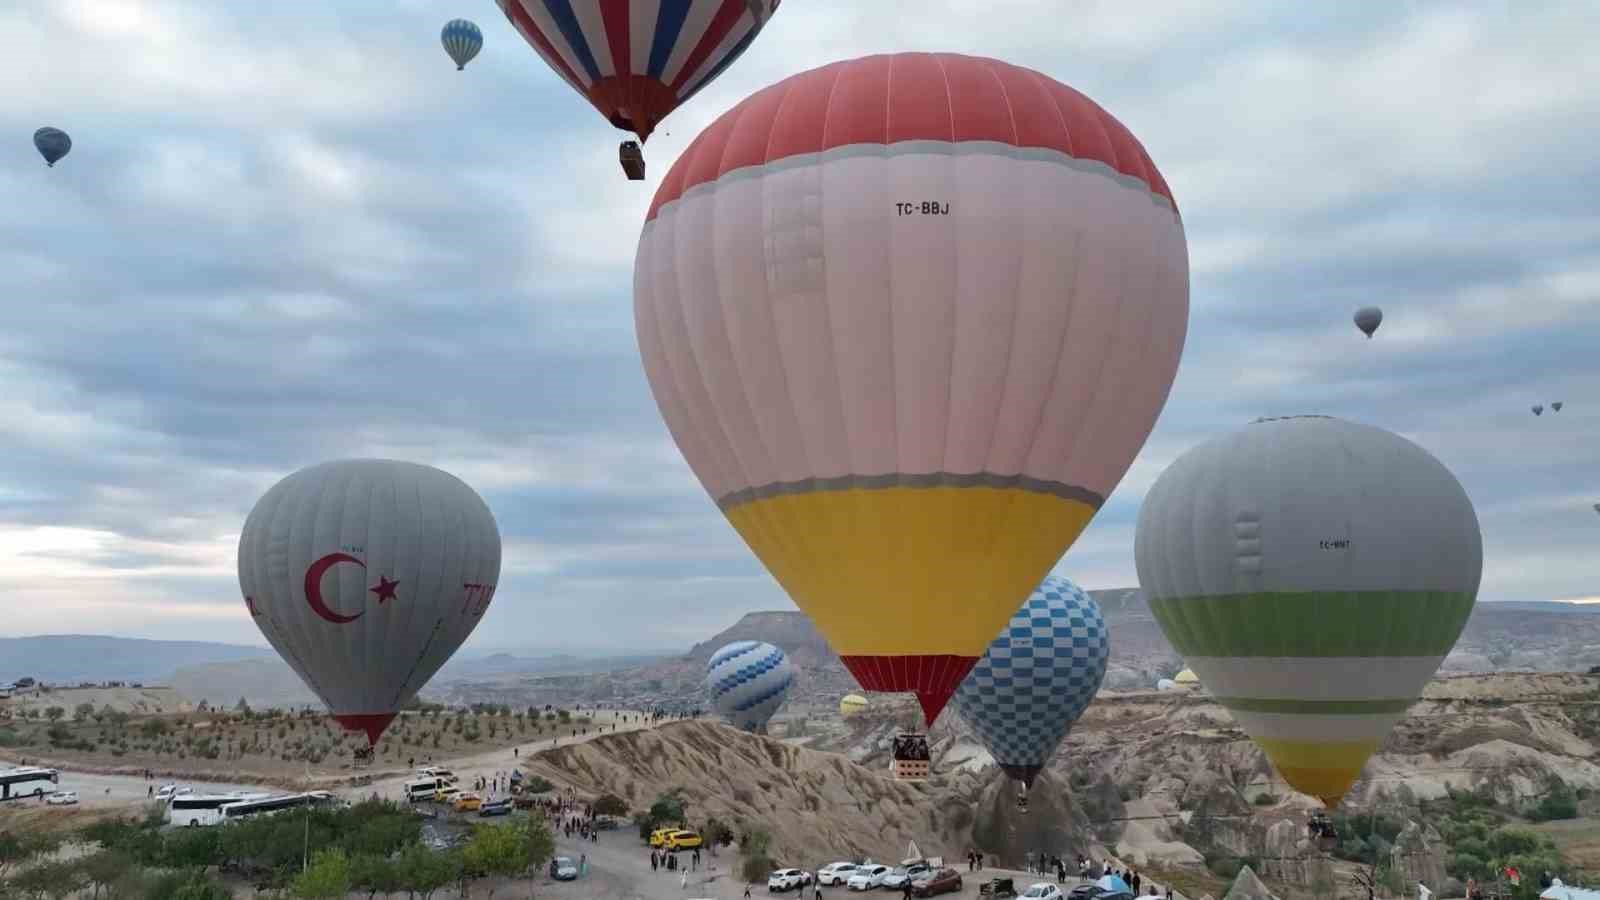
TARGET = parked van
x,y
421,789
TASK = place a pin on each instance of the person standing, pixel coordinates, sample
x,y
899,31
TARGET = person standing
x,y
1135,882
684,881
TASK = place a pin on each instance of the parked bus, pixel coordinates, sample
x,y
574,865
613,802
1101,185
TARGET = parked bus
x,y
198,810
15,783
244,809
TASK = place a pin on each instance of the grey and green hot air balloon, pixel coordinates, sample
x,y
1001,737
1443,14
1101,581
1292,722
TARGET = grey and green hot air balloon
x,y
1314,572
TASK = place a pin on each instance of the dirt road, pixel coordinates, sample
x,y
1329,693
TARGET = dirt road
x,y
504,761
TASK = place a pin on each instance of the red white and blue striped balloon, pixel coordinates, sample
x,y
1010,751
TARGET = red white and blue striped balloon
x,y
748,681
638,60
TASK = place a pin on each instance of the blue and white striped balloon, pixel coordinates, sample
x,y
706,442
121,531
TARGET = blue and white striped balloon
x,y
462,40
748,681
1037,677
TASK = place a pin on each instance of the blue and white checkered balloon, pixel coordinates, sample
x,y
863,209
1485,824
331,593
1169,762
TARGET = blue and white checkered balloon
x,y
1037,677
748,681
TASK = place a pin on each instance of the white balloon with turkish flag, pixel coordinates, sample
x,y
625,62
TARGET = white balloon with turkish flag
x,y
366,575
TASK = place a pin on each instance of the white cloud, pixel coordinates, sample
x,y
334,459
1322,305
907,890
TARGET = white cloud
x,y
286,235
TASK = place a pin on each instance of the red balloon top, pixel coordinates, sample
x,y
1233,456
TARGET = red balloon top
x,y
886,99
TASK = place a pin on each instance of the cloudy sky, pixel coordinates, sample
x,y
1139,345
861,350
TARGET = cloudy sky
x,y
284,237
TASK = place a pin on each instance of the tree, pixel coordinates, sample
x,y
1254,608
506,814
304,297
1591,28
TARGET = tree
x,y
106,868
610,805
54,713
18,848
82,711
754,864
56,880
496,851
374,874
670,808
539,844
327,878
423,871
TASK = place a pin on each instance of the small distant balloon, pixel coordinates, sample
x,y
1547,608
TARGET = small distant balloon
x,y
1556,406
462,40
52,144
1597,507
1538,409
1368,318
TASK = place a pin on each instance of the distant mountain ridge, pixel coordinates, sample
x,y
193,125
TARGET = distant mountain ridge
x,y
72,658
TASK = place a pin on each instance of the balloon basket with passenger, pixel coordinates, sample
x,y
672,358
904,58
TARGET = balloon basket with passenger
x,y
632,160
1322,832
911,759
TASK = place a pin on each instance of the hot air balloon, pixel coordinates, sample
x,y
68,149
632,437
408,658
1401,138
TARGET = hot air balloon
x,y
1314,572
1538,408
748,681
852,704
909,318
1166,684
462,40
1036,679
366,575
1556,406
52,144
1368,318
1186,678
638,61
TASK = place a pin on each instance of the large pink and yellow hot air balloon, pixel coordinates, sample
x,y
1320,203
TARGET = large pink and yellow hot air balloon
x,y
909,318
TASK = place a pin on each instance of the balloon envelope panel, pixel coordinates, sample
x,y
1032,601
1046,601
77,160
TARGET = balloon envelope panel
x,y
1037,677
748,681
637,61
909,318
1314,573
366,575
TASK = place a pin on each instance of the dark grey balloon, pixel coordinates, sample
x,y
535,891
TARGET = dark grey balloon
x,y
1538,410
1556,406
1368,318
52,144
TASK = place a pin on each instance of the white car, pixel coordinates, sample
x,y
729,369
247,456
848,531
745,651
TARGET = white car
x,y
897,879
1042,890
62,798
867,877
836,873
562,868
787,879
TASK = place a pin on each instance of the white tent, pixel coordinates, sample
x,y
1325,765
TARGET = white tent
x,y
1559,891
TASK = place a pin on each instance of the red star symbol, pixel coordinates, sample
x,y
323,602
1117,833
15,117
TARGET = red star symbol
x,y
250,604
385,588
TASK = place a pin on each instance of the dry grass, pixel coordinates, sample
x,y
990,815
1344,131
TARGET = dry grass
x,y
1577,839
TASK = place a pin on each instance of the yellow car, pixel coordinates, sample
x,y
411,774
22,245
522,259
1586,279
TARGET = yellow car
x,y
447,794
658,838
468,801
683,840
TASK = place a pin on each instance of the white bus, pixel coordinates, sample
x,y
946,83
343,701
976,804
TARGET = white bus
x,y
244,809
198,810
27,781
422,789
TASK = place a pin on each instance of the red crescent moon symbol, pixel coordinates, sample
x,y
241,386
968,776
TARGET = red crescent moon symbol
x,y
314,586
